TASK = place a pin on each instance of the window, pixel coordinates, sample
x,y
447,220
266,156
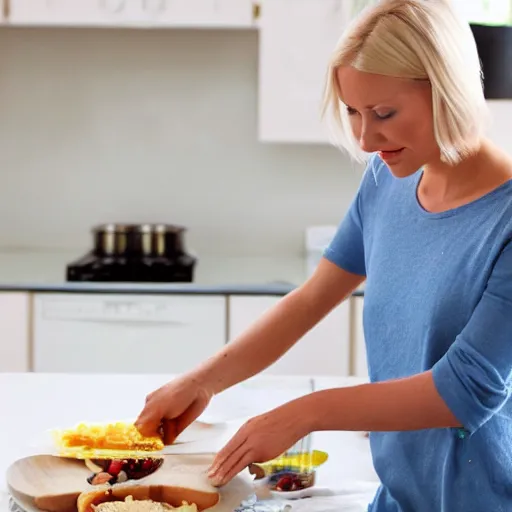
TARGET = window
x,y
485,12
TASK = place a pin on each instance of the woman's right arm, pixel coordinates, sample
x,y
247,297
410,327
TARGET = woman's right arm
x,y
276,331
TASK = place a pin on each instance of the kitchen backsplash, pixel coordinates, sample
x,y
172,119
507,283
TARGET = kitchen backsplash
x,y
127,125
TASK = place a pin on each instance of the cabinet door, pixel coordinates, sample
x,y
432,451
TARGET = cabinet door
x,y
14,331
322,351
358,357
297,38
76,12
200,13
118,333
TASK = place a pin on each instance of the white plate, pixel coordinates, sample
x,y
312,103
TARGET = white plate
x,y
249,505
303,493
199,431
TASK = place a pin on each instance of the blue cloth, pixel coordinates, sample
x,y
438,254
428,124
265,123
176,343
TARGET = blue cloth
x,y
438,296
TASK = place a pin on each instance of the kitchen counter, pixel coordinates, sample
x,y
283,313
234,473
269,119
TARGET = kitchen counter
x,y
33,403
45,271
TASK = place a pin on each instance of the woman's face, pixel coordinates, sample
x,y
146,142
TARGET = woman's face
x,y
392,116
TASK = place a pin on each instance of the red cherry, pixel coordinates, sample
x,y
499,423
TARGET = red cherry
x,y
147,464
115,467
284,483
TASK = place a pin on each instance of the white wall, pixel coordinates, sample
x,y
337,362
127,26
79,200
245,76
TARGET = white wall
x,y
106,125
100,126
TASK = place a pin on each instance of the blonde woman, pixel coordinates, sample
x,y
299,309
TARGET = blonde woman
x,y
429,230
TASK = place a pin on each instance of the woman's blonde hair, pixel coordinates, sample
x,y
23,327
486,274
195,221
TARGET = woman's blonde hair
x,y
419,40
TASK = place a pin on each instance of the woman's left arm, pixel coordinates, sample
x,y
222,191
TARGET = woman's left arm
x,y
411,403
465,388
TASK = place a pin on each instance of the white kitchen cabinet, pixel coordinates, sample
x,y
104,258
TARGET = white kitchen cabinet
x,y
14,331
322,351
124,333
143,13
76,12
297,38
358,356
201,13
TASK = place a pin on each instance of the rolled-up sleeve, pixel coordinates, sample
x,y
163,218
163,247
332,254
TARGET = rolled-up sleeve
x,y
474,376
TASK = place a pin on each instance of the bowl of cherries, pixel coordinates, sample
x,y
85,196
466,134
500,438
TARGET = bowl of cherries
x,y
291,480
116,471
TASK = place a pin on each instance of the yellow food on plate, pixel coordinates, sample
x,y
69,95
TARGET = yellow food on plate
x,y
131,505
110,437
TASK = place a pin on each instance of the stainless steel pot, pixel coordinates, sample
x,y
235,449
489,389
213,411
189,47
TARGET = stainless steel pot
x,y
111,239
138,240
168,240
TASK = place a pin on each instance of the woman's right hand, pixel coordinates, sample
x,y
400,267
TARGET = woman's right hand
x,y
172,408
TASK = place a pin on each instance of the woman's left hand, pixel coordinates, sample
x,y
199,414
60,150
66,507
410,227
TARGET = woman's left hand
x,y
260,439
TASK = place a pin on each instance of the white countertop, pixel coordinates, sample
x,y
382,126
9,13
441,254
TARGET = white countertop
x,y
32,403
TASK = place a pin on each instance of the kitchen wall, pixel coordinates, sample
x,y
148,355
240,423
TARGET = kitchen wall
x,y
115,125
128,125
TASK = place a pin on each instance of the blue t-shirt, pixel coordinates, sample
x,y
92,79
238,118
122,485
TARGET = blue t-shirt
x,y
438,296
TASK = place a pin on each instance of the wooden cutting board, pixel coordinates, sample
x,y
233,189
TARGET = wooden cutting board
x,y
53,484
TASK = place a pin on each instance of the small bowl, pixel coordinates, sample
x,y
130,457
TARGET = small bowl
x,y
305,488
289,480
